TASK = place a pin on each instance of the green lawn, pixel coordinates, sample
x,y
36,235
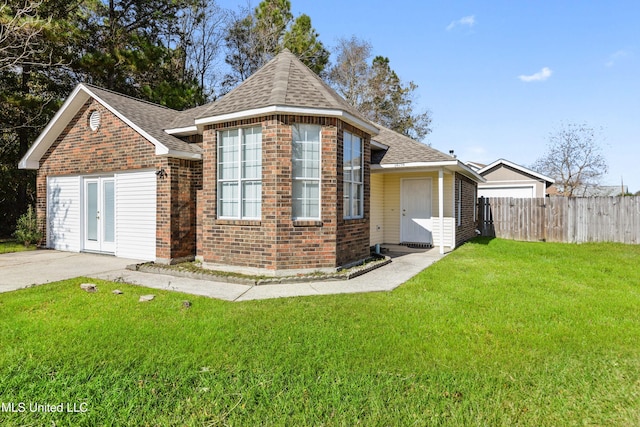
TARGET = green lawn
x,y
498,333
7,246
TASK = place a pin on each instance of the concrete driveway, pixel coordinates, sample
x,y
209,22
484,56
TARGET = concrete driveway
x,y
22,269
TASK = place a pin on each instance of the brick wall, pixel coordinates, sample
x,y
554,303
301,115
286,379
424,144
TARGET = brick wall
x,y
276,242
468,224
353,234
116,147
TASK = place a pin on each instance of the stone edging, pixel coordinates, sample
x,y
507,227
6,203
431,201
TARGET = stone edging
x,y
341,275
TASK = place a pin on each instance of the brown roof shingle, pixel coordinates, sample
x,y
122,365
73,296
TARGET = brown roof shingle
x,y
283,81
403,149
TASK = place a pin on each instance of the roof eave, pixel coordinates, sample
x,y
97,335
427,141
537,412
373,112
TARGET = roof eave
x,y
285,109
31,160
516,166
184,155
183,131
455,165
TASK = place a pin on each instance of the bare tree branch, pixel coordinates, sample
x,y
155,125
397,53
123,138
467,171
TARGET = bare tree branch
x,y
574,159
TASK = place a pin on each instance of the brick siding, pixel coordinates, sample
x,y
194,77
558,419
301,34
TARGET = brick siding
x,y
468,224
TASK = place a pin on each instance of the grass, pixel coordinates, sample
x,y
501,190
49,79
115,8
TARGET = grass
x,y
498,333
7,246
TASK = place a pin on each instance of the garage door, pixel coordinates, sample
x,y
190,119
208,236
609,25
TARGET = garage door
x,y
525,191
136,215
63,213
69,223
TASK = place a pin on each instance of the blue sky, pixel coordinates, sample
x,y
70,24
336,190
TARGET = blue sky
x,y
499,76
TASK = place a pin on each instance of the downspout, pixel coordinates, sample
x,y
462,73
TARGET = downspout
x,y
441,207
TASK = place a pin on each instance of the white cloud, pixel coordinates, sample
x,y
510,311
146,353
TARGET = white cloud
x,y
613,58
469,21
540,76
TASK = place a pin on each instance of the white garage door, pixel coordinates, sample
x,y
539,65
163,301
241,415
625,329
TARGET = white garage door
x,y
519,192
136,215
63,213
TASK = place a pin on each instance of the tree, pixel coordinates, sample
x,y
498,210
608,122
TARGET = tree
x,y
376,90
574,159
203,27
255,37
302,41
135,47
350,73
35,53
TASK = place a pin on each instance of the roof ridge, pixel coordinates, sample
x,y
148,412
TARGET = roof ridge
x,y
129,97
280,82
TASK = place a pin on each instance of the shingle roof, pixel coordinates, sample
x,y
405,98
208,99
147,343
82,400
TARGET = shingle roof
x,y
151,118
283,81
403,149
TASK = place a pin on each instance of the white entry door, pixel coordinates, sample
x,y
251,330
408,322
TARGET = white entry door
x,y
99,214
416,223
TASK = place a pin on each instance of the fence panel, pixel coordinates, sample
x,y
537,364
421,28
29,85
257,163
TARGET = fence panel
x,y
560,219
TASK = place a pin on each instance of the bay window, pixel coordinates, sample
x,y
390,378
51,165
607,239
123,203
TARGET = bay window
x,y
306,172
352,168
240,173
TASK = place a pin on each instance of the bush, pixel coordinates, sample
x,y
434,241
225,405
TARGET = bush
x,y
27,230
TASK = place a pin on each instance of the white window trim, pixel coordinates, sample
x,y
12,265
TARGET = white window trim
x,y
345,183
319,179
240,180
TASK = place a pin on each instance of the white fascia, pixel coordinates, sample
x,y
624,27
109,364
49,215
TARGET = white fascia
x,y
283,109
184,131
185,155
56,126
161,149
417,166
379,145
518,167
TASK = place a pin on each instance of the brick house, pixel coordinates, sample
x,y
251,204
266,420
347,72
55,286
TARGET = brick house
x,y
280,174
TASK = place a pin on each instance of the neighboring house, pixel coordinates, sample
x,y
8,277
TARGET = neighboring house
x,y
508,179
279,174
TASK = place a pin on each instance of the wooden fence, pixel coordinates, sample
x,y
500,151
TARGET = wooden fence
x,y
561,219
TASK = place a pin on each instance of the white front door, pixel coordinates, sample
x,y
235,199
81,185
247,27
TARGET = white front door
x,y
416,223
99,214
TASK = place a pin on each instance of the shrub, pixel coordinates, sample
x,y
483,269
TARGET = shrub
x,y
27,231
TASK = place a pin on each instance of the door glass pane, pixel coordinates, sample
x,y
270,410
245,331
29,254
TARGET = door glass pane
x,y
92,211
108,214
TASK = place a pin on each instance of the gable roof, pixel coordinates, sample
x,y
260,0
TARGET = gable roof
x,y
283,85
517,167
144,117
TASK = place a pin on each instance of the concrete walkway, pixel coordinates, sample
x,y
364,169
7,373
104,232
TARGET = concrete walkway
x,y
39,267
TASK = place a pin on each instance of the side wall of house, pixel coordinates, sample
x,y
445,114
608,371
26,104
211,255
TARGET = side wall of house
x,y
506,176
466,229
276,241
376,233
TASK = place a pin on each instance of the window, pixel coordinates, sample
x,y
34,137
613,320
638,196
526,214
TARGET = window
x,y
306,171
240,173
352,175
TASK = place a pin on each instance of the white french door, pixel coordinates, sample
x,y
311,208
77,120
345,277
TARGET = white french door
x,y
99,214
